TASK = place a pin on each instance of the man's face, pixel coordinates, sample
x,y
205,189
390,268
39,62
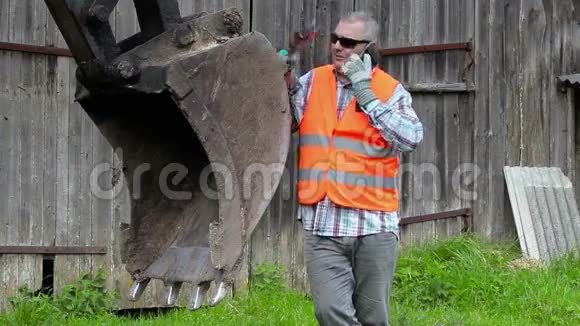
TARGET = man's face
x,y
351,30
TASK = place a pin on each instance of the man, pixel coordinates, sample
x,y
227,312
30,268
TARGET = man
x,y
353,121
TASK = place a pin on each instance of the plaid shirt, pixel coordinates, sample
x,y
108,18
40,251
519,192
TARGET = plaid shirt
x,y
398,123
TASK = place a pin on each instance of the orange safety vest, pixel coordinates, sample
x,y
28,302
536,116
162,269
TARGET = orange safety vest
x,y
347,160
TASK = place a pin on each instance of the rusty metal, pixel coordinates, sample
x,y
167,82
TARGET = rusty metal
x,y
16,47
202,114
466,46
51,250
465,213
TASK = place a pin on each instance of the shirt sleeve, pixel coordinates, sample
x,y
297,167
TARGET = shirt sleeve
x,y
396,120
299,96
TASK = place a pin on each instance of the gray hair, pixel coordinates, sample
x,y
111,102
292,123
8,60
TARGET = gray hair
x,y
372,27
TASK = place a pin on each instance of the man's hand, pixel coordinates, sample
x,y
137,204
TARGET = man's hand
x,y
358,70
289,76
359,73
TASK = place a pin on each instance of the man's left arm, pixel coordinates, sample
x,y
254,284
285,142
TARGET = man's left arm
x,y
395,119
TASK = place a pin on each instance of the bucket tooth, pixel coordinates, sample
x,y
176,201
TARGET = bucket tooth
x,y
198,296
171,294
221,292
137,289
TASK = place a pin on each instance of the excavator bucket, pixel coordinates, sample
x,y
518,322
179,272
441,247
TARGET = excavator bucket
x,y
201,114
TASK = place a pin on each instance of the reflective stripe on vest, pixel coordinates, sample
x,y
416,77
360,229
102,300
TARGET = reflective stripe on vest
x,y
344,143
348,178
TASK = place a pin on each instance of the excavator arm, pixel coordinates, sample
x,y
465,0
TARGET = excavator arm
x,y
201,114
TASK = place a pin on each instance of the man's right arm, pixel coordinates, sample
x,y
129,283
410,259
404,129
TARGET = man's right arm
x,y
299,97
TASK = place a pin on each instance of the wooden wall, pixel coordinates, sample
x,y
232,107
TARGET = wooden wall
x,y
521,118
516,115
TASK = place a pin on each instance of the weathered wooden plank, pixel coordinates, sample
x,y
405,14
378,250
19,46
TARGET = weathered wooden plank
x,y
290,215
61,264
570,57
53,38
426,175
300,279
102,206
14,121
465,115
260,243
121,215
434,33
450,31
512,65
185,7
244,6
10,268
37,121
56,225
25,133
576,94
534,61
74,176
5,131
451,183
559,18
85,195
5,19
402,18
126,23
328,14
447,156
14,188
302,14
496,223
31,133
481,116
272,18
373,7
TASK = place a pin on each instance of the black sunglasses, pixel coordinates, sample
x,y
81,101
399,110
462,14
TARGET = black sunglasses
x,y
345,41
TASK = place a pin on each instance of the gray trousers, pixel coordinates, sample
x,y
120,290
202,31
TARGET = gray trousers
x,y
351,278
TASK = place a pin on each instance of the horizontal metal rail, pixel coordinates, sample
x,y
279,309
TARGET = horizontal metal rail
x,y
465,213
51,250
440,87
466,46
25,48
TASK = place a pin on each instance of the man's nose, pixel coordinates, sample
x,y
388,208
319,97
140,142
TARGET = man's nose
x,y
336,45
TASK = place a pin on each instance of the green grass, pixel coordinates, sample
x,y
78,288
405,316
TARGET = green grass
x,y
462,281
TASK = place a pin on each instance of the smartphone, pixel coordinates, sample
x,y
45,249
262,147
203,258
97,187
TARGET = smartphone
x,y
373,50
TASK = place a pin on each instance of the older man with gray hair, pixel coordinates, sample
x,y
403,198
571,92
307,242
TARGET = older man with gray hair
x,y
354,119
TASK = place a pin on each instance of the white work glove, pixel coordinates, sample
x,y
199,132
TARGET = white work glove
x,y
359,73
